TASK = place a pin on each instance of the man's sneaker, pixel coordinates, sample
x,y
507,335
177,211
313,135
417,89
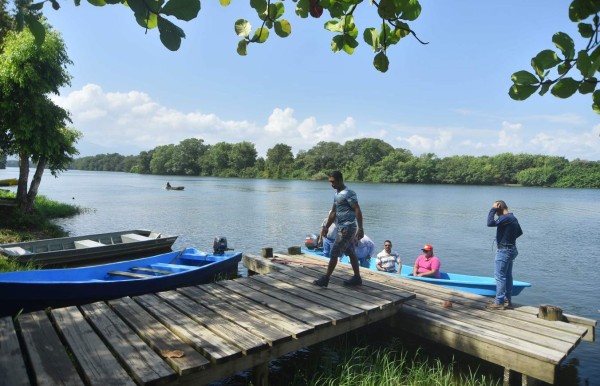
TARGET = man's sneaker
x,y
353,281
508,304
323,281
494,306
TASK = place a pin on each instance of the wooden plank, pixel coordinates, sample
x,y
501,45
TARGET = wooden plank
x,y
452,335
144,269
98,365
202,339
143,363
12,363
588,324
231,332
262,311
298,317
130,274
236,315
50,362
323,310
158,336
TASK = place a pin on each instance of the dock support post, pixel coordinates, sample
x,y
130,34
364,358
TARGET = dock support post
x,y
260,374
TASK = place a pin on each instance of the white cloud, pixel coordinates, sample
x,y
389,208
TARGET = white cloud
x,y
129,122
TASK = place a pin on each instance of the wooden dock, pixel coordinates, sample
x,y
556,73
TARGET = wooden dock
x,y
514,339
193,335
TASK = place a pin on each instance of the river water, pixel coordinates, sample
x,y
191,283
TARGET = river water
x,y
559,252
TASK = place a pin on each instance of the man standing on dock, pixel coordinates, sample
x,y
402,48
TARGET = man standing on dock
x,y
348,215
507,232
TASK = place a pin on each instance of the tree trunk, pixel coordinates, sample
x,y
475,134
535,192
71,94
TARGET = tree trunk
x,y
35,183
23,178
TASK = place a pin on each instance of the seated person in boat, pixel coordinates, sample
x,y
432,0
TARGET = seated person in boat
x,y
168,185
387,259
427,264
329,238
364,249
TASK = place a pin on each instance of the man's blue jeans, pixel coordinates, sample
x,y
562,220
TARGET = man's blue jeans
x,y
327,244
503,274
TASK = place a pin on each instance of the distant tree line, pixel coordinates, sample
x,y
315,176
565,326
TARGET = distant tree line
x,y
365,159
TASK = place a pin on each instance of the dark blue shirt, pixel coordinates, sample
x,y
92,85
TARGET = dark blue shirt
x,y
507,228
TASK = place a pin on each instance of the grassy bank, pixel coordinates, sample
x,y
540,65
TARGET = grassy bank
x,y
17,226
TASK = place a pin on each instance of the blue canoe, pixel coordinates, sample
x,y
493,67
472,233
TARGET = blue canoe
x,y
480,285
34,290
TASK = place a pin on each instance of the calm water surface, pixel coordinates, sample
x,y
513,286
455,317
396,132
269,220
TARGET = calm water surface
x,y
559,252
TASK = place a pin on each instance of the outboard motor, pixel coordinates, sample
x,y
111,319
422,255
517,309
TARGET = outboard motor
x,y
311,241
220,245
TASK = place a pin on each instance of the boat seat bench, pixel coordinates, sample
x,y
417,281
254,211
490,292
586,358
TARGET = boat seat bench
x,y
81,244
15,251
144,269
132,275
173,267
133,237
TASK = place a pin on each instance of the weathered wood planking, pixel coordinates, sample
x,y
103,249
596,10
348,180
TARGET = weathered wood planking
x,y
193,335
514,339
50,364
12,365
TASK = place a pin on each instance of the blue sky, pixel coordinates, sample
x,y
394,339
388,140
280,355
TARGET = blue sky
x,y
449,97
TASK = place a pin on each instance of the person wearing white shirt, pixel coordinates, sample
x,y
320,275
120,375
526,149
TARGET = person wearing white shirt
x,y
387,259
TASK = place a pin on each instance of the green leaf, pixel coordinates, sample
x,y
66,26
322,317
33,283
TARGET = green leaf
x,y
582,9
259,5
185,10
241,48
243,28
55,5
565,87
381,62
565,44
350,44
596,102
261,35
545,87
409,10
36,6
36,28
337,10
544,60
102,3
520,92
588,86
584,63
334,26
225,3
524,78
585,30
371,37
276,10
302,8
337,43
148,20
170,34
563,68
387,9
283,28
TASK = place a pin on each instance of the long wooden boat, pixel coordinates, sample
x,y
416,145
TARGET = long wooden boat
x,y
89,249
481,285
175,187
38,289
9,182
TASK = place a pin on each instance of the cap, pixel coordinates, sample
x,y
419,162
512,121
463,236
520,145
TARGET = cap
x,y
427,247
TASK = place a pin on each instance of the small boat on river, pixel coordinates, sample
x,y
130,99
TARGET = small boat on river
x,y
89,249
170,187
38,289
9,182
481,285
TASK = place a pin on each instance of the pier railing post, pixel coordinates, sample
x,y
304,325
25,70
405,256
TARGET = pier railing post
x,y
260,374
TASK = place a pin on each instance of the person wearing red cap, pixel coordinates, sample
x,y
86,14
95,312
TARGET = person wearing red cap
x,y
427,264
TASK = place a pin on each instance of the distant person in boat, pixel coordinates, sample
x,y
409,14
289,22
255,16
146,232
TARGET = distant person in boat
x,y
348,217
427,265
387,259
168,185
507,232
364,249
328,239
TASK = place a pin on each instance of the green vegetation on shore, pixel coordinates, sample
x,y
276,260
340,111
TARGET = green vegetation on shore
x,y
17,226
364,159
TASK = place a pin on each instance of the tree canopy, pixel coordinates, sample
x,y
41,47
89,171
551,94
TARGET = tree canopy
x,y
364,159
